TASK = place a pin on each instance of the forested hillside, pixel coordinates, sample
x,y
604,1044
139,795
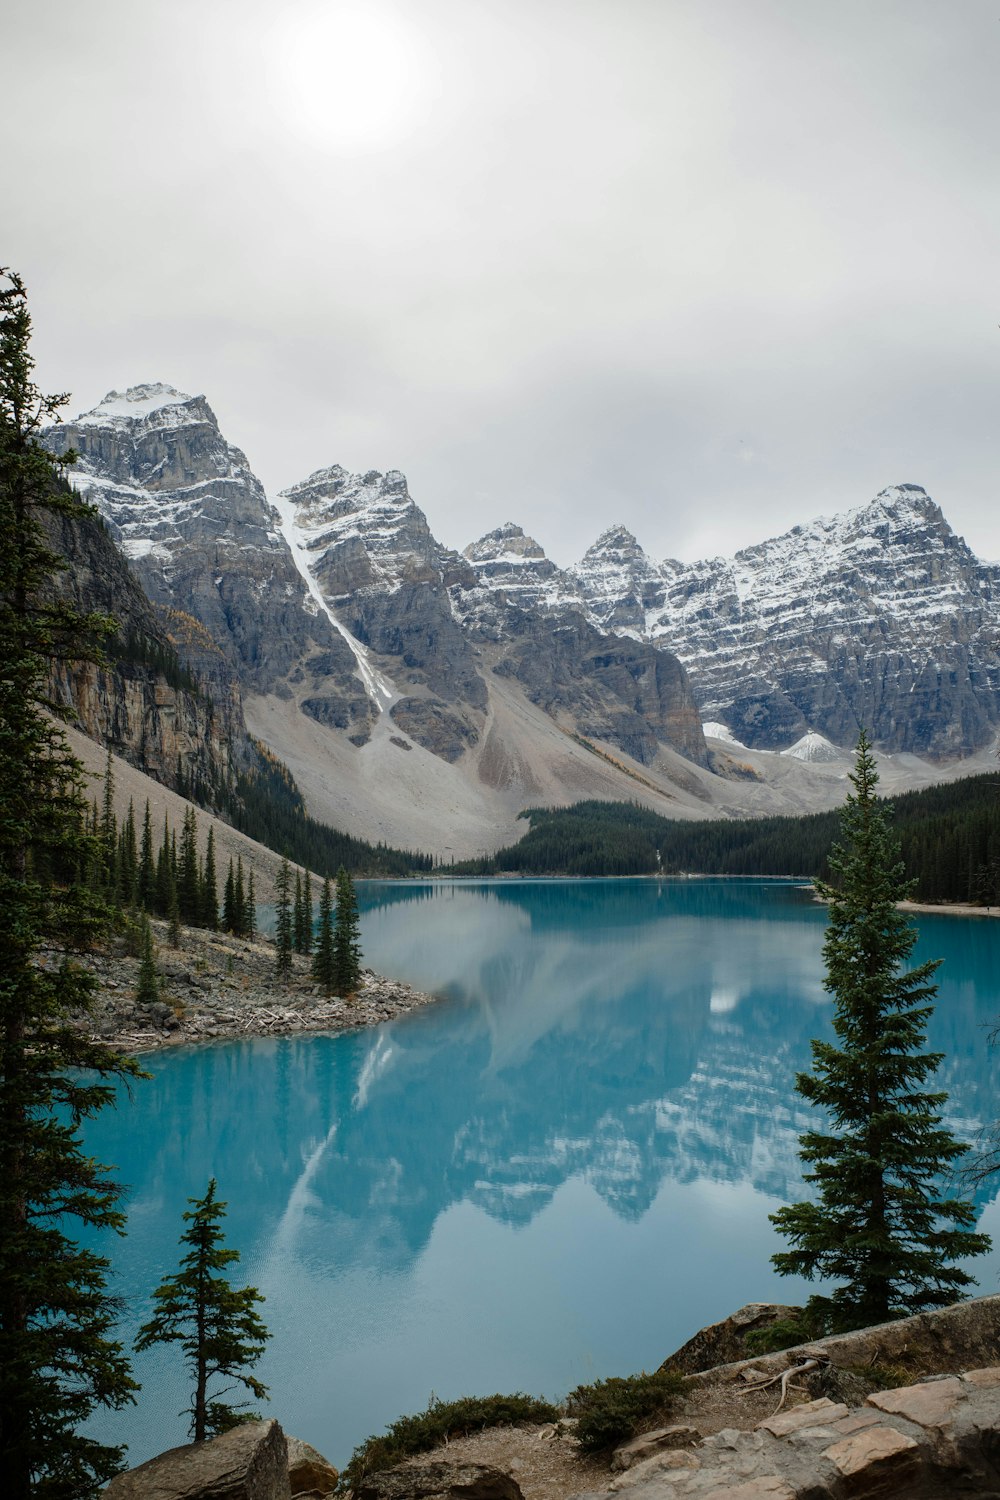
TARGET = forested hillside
x,y
950,837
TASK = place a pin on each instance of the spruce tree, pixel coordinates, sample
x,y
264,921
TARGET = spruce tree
x,y
346,938
209,903
239,901
147,864
164,874
109,825
283,921
307,914
323,968
218,1328
230,921
188,874
879,1223
298,916
147,990
250,910
128,861
58,1357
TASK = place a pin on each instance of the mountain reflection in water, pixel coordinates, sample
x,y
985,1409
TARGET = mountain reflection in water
x,y
608,1053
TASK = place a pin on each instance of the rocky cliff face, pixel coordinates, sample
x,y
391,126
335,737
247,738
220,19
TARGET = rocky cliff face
x,y
138,702
881,617
428,613
193,520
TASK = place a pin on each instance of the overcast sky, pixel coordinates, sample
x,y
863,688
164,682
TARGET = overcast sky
x,y
704,267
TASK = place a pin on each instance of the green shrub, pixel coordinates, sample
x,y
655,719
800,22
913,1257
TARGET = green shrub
x,y
884,1377
786,1333
441,1420
611,1411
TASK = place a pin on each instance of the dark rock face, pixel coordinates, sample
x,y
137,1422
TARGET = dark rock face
x,y
432,724
439,1481
129,703
615,689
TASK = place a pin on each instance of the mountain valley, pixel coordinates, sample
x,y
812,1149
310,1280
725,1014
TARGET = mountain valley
x,y
424,697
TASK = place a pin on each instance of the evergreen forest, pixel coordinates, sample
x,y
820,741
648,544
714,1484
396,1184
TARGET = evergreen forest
x,y
950,837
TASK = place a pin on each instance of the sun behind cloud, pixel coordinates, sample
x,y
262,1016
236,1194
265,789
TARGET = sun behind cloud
x,y
351,76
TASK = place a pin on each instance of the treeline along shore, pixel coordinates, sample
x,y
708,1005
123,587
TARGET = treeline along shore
x,y
950,838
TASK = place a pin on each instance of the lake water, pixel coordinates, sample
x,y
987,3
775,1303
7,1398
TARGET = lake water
x,y
558,1173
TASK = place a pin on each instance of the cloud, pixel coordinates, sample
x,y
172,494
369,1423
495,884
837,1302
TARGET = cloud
x,y
705,268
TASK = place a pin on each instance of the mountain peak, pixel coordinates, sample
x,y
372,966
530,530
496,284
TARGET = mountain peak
x,y
508,542
135,404
617,542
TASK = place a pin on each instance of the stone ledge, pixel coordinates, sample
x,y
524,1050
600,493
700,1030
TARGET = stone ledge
x,y
940,1437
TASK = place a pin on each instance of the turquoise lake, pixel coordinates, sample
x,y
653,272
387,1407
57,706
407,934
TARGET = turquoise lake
x,y
558,1173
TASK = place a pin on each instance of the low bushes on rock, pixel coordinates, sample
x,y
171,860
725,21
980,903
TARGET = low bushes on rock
x,y
610,1411
441,1420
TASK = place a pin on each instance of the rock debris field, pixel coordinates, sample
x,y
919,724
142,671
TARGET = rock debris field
x,y
217,987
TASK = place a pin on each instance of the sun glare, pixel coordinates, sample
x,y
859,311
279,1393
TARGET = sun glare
x,y
350,75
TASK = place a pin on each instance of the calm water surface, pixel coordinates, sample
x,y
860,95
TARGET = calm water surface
x,y
558,1173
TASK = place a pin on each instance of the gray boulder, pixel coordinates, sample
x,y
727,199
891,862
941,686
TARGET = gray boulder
x,y
308,1471
724,1342
439,1481
248,1463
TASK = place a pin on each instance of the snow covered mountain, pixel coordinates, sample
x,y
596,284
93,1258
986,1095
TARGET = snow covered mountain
x,y
192,518
880,617
341,616
426,696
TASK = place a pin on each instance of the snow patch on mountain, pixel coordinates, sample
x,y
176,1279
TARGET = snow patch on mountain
x,y
380,690
134,404
715,731
368,521
815,749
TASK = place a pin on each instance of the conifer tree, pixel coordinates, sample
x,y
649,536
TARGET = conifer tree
x,y
188,875
230,921
879,1223
209,903
307,914
109,825
283,921
250,910
164,873
298,916
217,1327
174,916
147,864
58,1358
346,938
323,968
239,901
147,990
128,861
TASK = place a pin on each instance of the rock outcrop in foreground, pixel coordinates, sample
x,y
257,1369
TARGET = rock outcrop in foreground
x,y
938,1439
255,1461
931,1440
249,1463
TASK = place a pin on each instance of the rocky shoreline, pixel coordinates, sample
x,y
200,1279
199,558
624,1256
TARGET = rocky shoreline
x,y
215,987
